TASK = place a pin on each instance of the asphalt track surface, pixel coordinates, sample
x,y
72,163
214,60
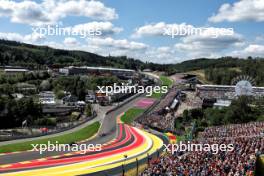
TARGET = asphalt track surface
x,y
118,141
124,138
107,127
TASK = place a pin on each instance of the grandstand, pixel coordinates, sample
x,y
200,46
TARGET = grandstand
x,y
159,119
72,70
248,145
223,91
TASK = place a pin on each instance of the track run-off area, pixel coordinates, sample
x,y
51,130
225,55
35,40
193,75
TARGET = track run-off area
x,y
128,146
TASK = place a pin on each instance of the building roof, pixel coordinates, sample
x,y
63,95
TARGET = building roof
x,y
222,86
175,102
16,70
104,68
46,93
70,98
222,103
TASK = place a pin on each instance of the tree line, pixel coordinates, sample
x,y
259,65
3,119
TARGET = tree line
x,y
39,57
13,112
242,110
224,76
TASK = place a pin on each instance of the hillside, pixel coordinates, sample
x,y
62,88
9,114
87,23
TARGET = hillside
x,y
218,71
15,53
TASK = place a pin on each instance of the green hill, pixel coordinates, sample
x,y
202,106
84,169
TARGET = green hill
x,y
32,56
218,71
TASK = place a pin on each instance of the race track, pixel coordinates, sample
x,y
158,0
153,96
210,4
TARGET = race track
x,y
128,145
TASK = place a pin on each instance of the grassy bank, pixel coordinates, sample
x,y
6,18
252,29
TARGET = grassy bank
x,y
131,114
79,135
165,82
200,75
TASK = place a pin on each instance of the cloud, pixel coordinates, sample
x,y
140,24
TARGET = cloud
x,y
104,46
116,47
206,46
157,29
253,50
23,12
244,10
51,11
162,54
188,47
179,30
259,38
92,9
104,28
118,44
70,41
193,42
57,45
30,38
92,29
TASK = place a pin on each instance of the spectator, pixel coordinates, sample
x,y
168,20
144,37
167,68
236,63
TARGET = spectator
x,y
247,142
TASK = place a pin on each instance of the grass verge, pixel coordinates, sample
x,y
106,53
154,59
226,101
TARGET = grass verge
x,y
79,135
156,95
165,82
200,75
131,114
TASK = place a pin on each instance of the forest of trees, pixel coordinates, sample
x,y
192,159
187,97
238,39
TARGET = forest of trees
x,y
42,81
9,83
78,85
14,112
224,75
242,110
37,57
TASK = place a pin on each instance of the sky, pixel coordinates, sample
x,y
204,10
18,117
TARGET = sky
x,y
160,31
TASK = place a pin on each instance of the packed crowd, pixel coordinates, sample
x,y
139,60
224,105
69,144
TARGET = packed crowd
x,y
234,130
158,121
160,118
240,161
166,102
192,100
216,92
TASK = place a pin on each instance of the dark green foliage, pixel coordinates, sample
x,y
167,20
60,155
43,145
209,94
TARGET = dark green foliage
x,y
14,112
224,75
242,110
221,76
45,122
203,63
23,77
77,85
88,110
37,57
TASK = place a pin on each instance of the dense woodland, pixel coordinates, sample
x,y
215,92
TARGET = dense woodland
x,y
14,112
37,57
224,75
242,110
